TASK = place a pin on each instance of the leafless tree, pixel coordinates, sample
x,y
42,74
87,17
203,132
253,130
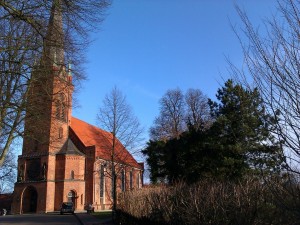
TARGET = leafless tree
x,y
170,122
8,173
15,64
272,62
116,116
197,112
23,36
178,111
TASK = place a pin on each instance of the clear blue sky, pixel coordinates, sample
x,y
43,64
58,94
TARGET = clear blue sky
x,y
146,47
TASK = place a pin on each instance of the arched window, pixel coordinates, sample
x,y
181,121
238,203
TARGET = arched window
x,y
123,180
102,181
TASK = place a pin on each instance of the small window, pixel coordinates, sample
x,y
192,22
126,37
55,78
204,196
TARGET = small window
x,y
21,173
72,175
60,133
44,171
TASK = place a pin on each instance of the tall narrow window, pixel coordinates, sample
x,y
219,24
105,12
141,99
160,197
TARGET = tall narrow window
x,y
63,112
60,133
138,180
60,108
57,109
123,180
72,175
130,180
101,181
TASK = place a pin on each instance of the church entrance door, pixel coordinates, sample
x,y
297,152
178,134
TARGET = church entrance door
x,y
29,201
72,197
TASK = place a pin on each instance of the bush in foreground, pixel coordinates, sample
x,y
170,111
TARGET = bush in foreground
x,y
209,202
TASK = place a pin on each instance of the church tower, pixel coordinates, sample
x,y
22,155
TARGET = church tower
x,y
63,158
50,93
47,150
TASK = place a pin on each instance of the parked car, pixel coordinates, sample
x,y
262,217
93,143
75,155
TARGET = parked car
x,y
67,207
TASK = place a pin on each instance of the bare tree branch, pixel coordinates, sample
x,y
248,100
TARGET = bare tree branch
x,y
272,65
116,116
23,41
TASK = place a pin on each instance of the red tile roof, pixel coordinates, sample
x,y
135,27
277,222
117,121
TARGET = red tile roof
x,y
90,135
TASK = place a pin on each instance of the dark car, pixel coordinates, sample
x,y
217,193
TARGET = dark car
x,y
67,207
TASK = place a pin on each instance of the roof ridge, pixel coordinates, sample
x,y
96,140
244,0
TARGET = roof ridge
x,y
94,126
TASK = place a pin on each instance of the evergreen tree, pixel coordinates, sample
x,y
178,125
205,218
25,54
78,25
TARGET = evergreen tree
x,y
243,131
156,160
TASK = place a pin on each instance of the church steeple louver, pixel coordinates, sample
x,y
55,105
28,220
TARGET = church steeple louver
x,y
54,40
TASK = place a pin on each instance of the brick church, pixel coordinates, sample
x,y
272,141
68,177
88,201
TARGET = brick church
x,y
64,158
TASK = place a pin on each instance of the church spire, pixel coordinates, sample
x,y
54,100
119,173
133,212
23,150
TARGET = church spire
x,y
54,40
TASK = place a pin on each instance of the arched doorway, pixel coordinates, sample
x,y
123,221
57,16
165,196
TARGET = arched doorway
x,y
29,200
72,198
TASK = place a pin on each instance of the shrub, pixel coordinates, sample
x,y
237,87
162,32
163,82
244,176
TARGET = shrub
x,y
207,202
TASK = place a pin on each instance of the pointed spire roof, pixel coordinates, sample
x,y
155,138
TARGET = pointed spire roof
x,y
54,40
